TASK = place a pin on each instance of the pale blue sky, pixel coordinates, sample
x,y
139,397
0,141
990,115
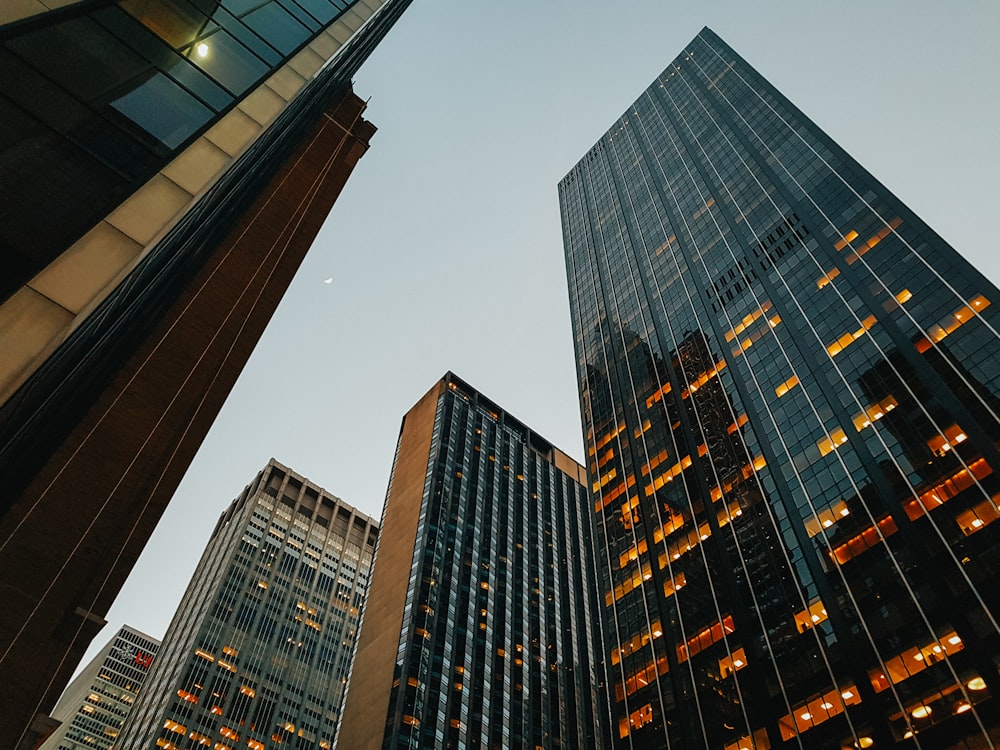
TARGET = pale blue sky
x,y
445,247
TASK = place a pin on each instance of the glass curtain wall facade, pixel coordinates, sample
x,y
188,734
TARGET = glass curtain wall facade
x,y
790,396
258,653
477,632
98,100
94,706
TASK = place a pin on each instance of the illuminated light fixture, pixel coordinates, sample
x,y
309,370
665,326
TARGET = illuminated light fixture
x,y
827,523
657,633
865,742
976,683
202,49
908,734
937,649
806,716
977,523
826,705
845,512
815,618
918,657
962,707
738,663
847,695
921,712
647,576
704,537
954,640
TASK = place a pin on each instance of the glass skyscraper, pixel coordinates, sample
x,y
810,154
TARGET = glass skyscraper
x,y
477,630
790,389
258,653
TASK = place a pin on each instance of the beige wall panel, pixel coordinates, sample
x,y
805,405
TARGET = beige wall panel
x,y
306,63
340,32
15,10
79,275
367,702
363,11
150,209
29,324
197,166
233,132
263,105
286,83
351,20
325,46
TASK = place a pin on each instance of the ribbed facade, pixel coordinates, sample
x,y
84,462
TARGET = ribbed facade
x,y
258,653
491,629
790,393
94,706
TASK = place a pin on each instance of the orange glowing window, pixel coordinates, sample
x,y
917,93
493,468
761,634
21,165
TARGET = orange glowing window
x,y
703,378
641,678
605,479
828,444
874,413
747,321
658,395
734,663
952,321
864,541
979,516
849,237
635,720
671,587
818,710
952,436
827,517
704,639
914,660
740,421
849,338
227,732
809,618
829,276
945,490
785,387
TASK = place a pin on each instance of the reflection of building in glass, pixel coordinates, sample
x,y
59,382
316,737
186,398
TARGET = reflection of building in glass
x,y
95,704
477,630
790,394
164,168
258,653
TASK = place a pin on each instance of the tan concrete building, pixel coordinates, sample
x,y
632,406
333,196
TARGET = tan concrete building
x,y
477,630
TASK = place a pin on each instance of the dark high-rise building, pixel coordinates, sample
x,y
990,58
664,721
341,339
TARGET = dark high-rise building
x,y
165,166
93,708
477,630
790,393
258,653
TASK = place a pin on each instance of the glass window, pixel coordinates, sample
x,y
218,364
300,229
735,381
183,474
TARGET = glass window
x,y
164,110
90,62
278,27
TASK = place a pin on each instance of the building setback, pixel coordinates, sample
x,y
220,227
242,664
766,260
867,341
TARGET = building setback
x,y
165,167
258,653
477,630
93,708
790,396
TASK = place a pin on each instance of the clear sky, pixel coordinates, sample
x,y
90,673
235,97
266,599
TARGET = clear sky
x,y
445,248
